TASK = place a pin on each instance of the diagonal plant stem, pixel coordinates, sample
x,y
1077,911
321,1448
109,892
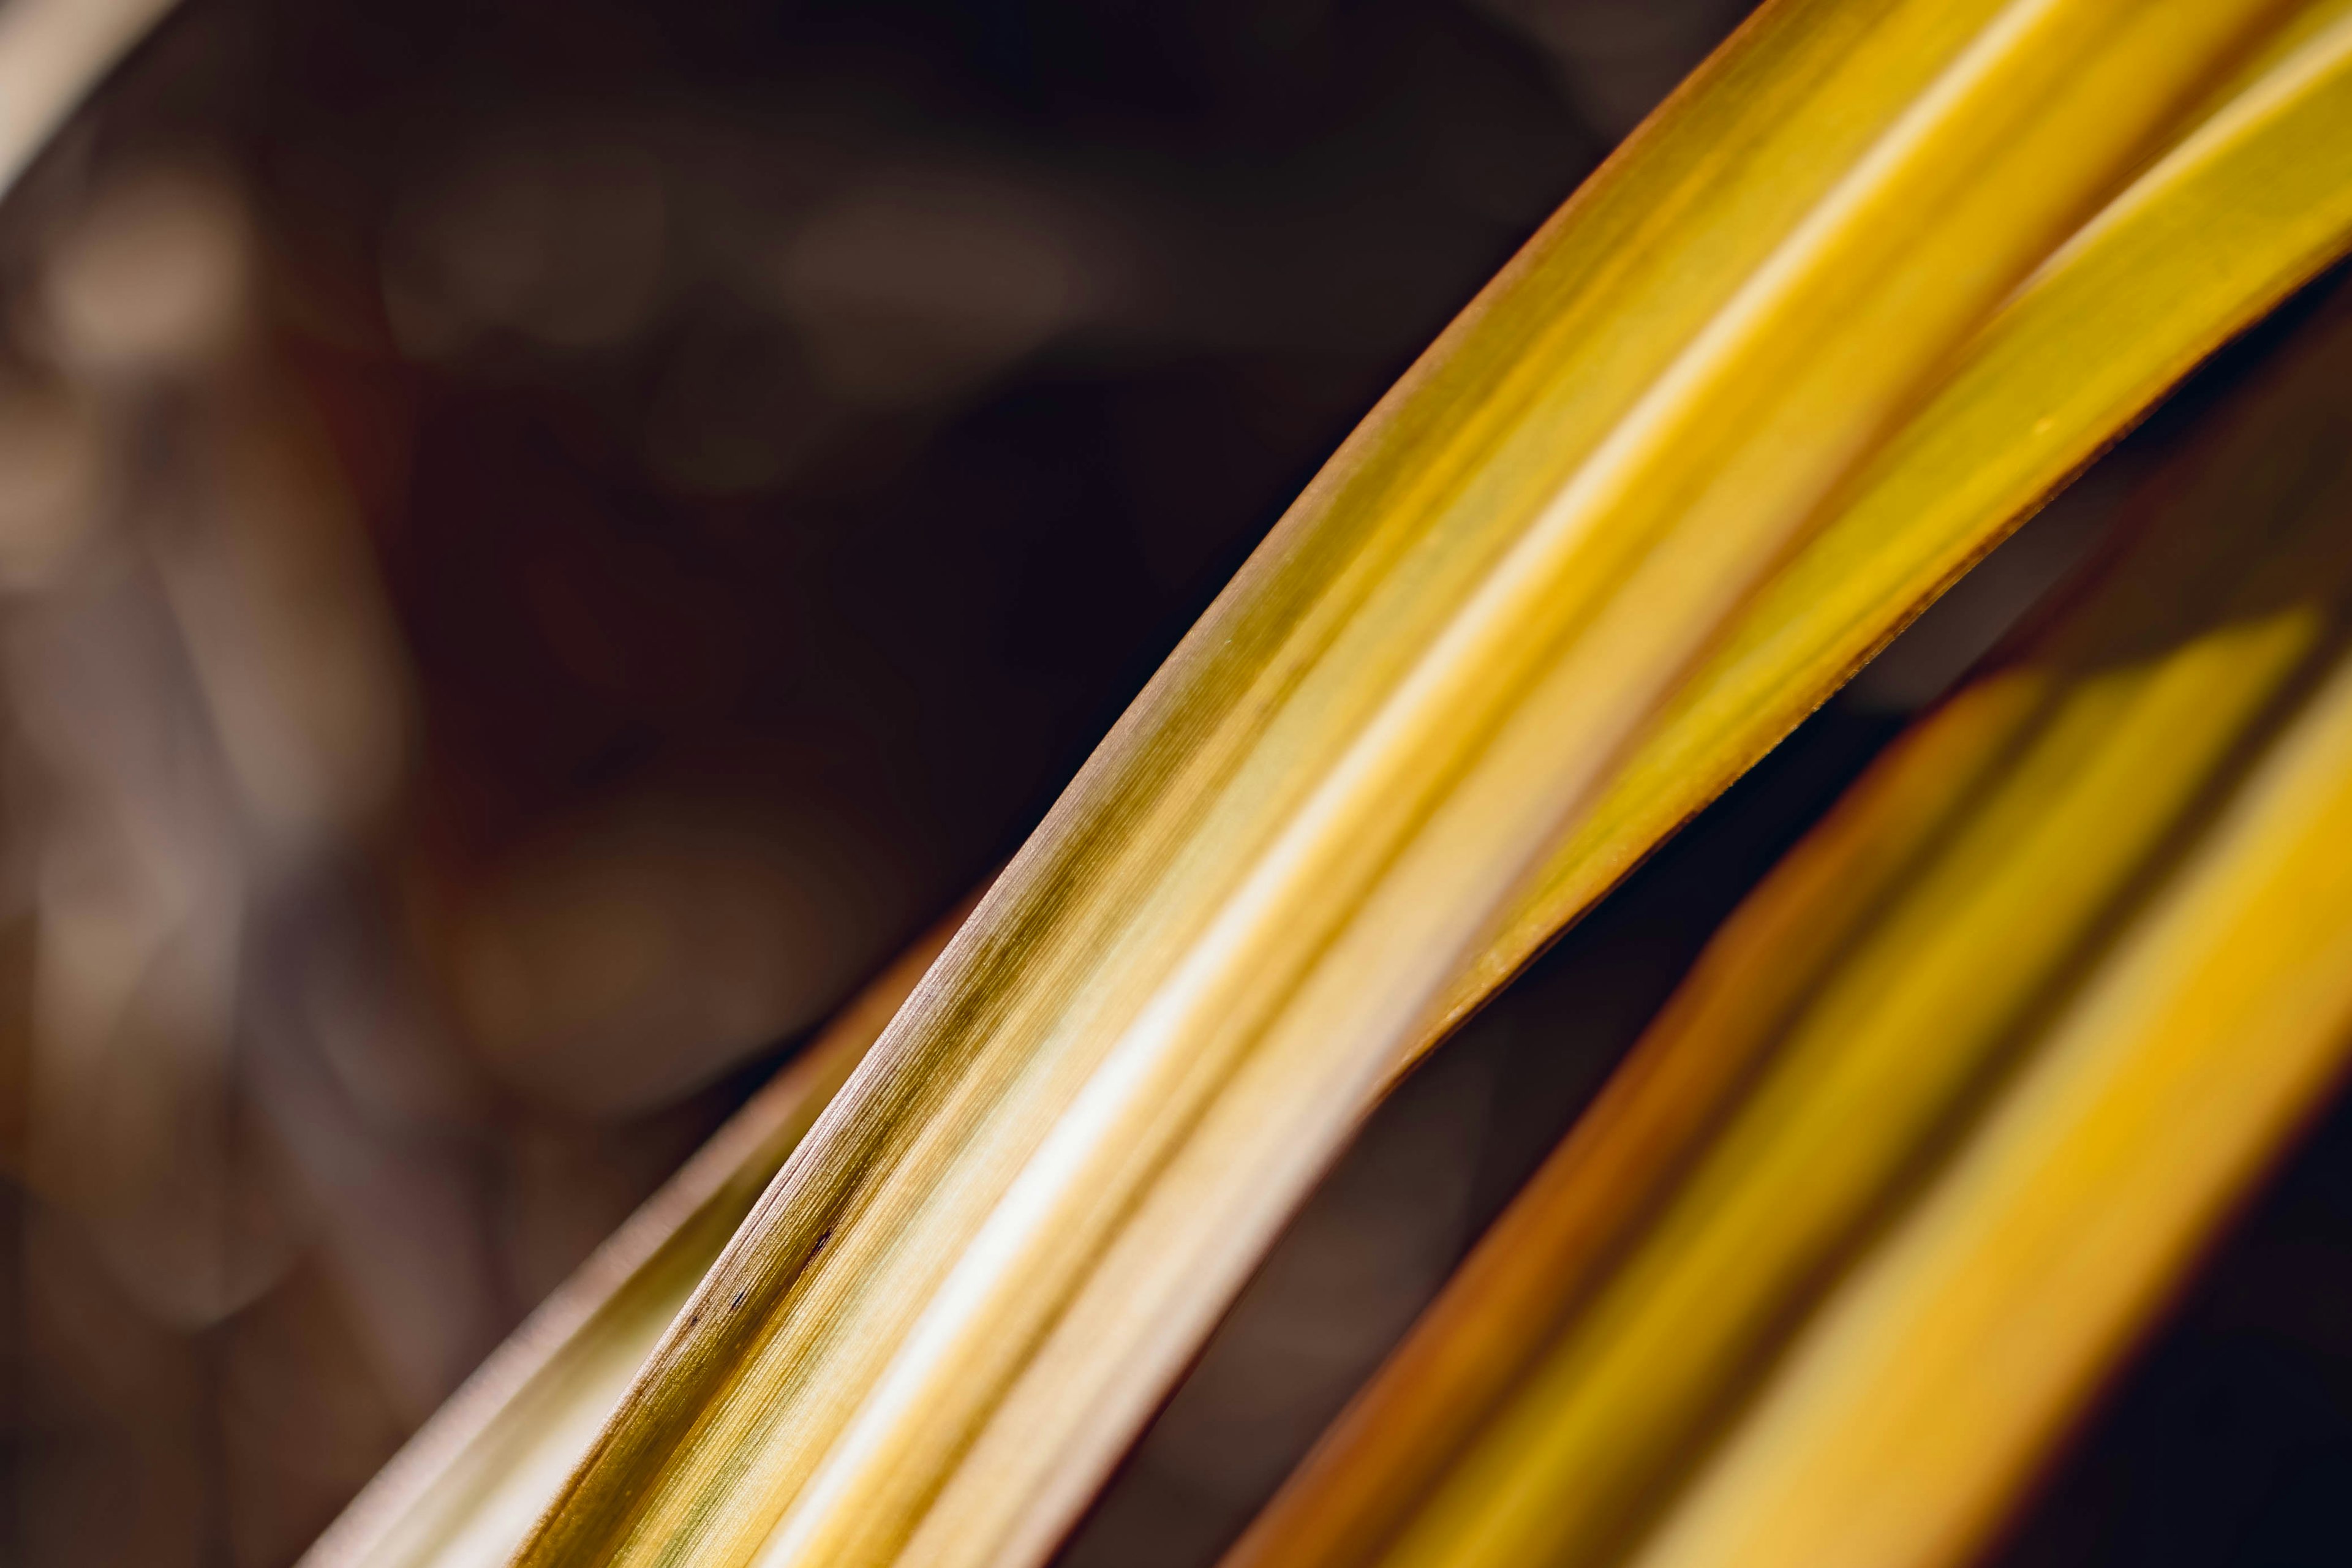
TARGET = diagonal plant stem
x,y
1003,1240
2287,123
2083,761
2253,200
2266,177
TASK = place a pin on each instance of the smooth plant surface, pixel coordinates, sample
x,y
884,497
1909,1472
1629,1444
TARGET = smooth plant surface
x,y
1947,1108
1000,1245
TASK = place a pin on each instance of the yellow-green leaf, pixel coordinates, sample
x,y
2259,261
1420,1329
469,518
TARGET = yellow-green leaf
x,y
1926,1390
1882,973
2257,199
2114,731
999,1244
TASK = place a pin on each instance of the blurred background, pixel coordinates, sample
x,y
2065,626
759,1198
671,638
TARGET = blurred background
x,y
538,543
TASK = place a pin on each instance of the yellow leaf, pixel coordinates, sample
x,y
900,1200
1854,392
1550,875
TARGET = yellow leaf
x,y
1002,1241
2114,733
2255,200
1920,1398
1883,972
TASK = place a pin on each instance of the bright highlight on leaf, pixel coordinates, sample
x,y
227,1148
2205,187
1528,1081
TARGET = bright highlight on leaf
x,y
1878,281
1929,932
2252,201
997,1247
2160,1088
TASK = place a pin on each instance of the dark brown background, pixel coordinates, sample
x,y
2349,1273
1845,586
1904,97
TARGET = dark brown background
x,y
538,543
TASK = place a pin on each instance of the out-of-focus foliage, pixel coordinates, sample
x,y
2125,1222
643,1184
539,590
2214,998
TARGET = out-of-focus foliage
x,y
51,53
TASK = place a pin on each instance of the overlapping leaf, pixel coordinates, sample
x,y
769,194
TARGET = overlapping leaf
x,y
1933,928
1537,611
2253,198
997,1246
